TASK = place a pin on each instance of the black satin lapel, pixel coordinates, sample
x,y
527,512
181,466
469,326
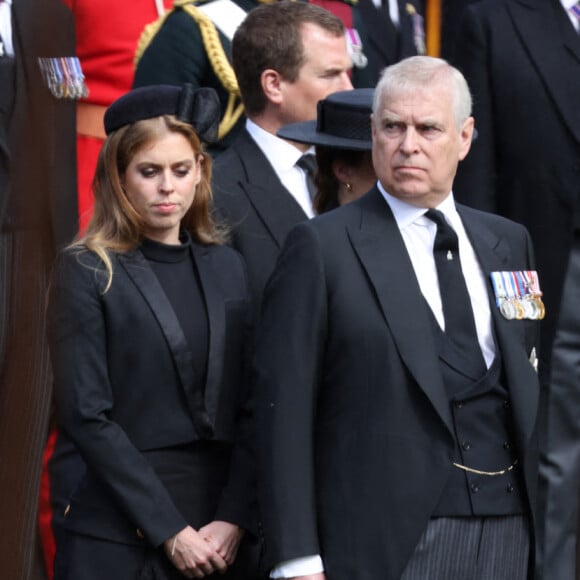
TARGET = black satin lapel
x,y
554,51
147,283
217,327
380,248
495,255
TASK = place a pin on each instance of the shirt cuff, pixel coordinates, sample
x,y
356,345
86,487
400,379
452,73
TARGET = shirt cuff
x,y
298,567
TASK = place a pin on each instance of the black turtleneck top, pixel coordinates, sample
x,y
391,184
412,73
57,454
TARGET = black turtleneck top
x,y
177,273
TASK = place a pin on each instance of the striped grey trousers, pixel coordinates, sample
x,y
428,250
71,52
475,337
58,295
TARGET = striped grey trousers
x,y
491,548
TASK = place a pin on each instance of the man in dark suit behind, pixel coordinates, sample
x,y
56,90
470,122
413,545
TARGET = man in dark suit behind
x,y
259,188
37,213
395,427
379,33
522,61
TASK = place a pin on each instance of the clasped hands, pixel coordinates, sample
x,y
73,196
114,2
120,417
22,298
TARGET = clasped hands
x,y
210,549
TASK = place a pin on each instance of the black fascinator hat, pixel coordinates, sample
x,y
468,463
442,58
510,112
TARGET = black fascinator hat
x,y
198,107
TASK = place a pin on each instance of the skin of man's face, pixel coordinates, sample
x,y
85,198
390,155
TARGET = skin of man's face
x,y
324,71
417,144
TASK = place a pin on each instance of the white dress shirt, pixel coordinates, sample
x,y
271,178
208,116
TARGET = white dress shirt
x,y
283,157
418,234
6,27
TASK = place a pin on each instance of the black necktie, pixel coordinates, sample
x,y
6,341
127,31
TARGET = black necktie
x,y
308,163
457,310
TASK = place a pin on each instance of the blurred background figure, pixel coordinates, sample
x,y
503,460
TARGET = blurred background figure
x,y
522,61
192,44
342,136
38,213
379,33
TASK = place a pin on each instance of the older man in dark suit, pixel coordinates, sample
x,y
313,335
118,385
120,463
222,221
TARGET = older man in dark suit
x,y
262,184
396,392
37,213
522,61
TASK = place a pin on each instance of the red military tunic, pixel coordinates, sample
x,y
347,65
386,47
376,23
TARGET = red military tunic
x,y
107,32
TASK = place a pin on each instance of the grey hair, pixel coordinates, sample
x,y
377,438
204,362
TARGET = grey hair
x,y
417,71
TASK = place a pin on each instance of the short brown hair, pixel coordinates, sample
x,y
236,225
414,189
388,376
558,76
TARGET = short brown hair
x,y
270,37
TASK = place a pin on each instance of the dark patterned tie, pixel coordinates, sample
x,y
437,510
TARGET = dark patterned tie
x,y
308,163
457,310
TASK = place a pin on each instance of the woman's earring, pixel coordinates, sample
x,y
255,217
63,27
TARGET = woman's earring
x,y
348,187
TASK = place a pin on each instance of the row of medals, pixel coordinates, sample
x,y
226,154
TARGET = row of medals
x,y
530,306
64,77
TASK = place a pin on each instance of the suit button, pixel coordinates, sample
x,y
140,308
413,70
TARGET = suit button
x,y
466,445
474,487
459,404
506,445
140,534
509,488
506,404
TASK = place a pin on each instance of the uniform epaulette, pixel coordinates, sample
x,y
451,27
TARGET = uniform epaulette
x,y
215,54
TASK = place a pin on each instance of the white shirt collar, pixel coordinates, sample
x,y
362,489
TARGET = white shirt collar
x,y
406,214
281,154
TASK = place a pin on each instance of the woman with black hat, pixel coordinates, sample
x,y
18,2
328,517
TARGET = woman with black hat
x,y
147,322
342,135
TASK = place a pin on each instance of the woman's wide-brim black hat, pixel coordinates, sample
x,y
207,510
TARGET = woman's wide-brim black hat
x,y
343,121
198,107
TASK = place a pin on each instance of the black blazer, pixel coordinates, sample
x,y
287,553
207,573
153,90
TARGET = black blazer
x,y
356,435
122,376
260,211
522,61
